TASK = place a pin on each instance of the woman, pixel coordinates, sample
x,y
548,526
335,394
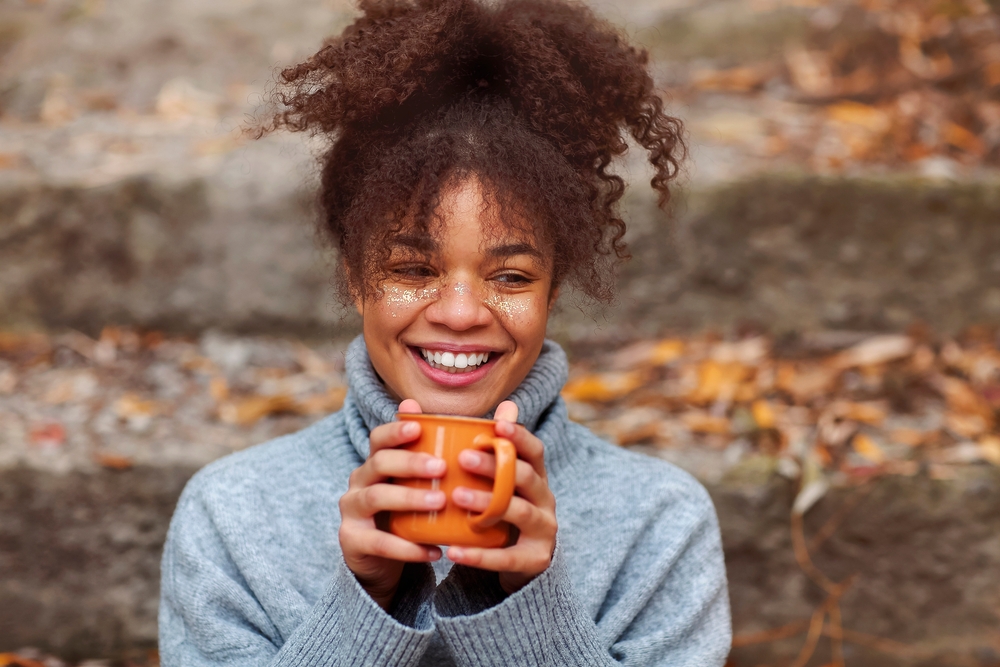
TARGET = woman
x,y
466,182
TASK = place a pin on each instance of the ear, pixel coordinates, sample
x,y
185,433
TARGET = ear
x,y
553,295
356,294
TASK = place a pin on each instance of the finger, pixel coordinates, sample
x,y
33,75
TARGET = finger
x,y
410,406
527,482
528,518
358,541
393,434
511,559
506,411
370,500
529,447
397,463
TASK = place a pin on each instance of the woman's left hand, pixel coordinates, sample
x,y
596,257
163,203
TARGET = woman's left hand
x,y
532,509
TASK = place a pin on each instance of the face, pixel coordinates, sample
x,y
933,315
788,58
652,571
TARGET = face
x,y
458,325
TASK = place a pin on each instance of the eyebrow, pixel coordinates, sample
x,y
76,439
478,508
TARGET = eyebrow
x,y
512,249
419,242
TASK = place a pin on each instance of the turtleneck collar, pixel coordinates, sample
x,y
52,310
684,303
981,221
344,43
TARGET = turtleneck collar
x,y
539,406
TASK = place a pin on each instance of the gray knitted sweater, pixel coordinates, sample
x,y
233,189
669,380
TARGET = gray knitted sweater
x,y
253,573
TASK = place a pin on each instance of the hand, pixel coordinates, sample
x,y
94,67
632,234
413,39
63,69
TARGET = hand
x,y
532,509
374,556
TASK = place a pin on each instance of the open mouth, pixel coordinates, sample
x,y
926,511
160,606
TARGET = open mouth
x,y
451,362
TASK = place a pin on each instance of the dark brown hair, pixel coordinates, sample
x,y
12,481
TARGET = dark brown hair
x,y
532,97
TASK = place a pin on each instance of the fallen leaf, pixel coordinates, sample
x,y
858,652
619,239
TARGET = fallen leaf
x,y
989,447
319,404
113,461
735,79
763,414
131,405
47,436
251,409
14,660
908,436
701,422
603,387
854,113
966,425
719,381
865,413
218,389
866,447
876,350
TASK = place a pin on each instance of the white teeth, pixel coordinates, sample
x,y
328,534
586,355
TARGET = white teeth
x,y
451,362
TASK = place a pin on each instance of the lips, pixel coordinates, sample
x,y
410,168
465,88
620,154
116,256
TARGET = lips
x,y
432,363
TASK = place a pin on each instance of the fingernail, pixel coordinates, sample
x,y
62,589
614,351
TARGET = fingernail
x,y
435,466
434,497
505,428
470,458
456,553
434,553
462,495
411,429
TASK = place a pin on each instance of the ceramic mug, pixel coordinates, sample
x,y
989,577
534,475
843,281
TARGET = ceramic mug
x,y
444,437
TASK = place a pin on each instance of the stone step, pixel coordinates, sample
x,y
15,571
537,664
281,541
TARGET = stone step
x,y
80,555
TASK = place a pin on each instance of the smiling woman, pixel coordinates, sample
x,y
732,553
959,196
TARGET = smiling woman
x,y
466,182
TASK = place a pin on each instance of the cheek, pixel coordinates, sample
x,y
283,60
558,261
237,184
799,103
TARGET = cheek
x,y
397,302
521,314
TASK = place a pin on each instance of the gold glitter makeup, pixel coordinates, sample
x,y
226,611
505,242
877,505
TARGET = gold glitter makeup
x,y
396,298
508,306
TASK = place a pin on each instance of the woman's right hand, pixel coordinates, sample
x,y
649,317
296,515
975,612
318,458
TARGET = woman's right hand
x,y
374,556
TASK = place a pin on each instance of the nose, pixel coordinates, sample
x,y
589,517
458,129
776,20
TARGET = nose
x,y
459,308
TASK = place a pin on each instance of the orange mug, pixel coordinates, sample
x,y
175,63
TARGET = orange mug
x,y
444,437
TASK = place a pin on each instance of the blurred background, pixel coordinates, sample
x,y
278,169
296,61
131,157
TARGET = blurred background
x,y
812,331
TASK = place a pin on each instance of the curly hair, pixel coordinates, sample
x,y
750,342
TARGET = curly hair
x,y
531,97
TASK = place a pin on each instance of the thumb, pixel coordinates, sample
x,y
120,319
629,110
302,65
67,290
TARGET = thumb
x,y
506,411
410,406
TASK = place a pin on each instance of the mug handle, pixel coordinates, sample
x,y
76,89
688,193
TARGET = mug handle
x,y
503,482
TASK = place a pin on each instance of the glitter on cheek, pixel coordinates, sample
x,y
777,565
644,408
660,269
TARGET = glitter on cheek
x,y
509,307
395,299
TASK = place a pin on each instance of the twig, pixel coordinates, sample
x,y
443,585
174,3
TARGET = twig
x,y
835,632
815,630
805,560
833,523
772,635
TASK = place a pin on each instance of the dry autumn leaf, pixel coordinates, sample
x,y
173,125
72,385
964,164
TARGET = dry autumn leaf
x,y
702,422
875,350
867,448
603,387
249,410
113,461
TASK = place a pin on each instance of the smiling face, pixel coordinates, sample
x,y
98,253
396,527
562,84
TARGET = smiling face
x,y
461,316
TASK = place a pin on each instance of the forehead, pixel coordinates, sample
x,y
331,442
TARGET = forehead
x,y
464,219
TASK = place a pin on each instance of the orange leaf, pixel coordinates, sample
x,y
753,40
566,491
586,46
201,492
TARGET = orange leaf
x,y
763,414
249,410
908,436
602,387
700,422
48,435
989,448
866,447
113,461
964,139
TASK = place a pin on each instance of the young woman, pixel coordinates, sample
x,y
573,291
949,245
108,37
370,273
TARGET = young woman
x,y
466,182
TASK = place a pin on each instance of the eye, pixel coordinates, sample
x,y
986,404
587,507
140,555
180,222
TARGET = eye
x,y
512,279
412,271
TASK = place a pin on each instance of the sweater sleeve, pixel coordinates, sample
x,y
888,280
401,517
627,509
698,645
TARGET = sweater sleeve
x,y
670,607
210,616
